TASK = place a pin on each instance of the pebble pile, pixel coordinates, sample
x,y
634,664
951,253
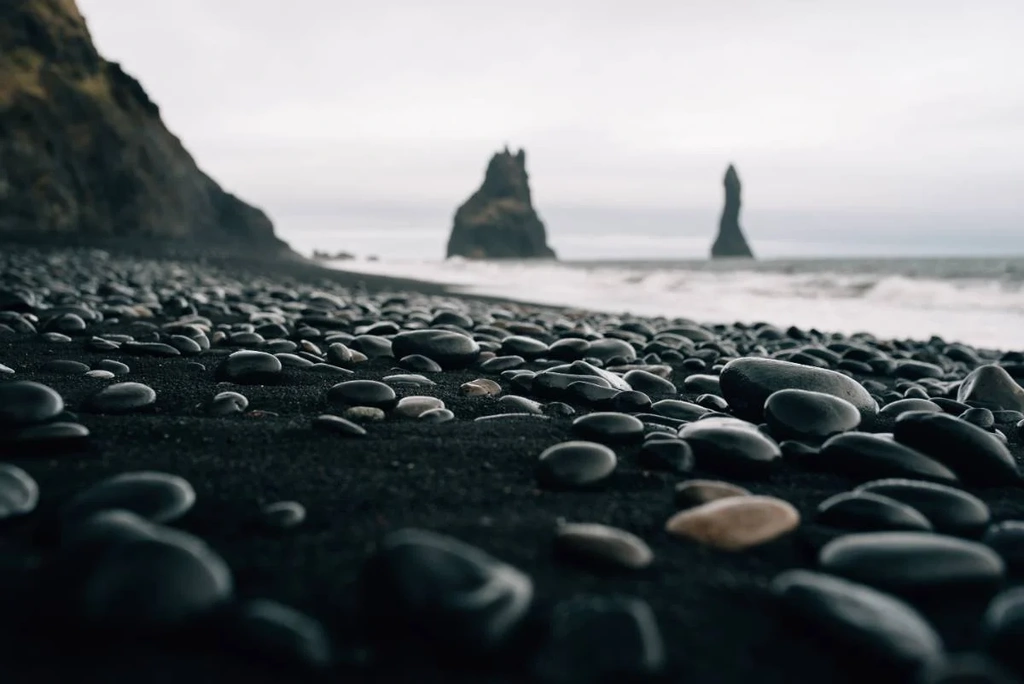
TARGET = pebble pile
x,y
680,439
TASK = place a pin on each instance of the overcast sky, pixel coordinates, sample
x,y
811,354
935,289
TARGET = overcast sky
x,y
905,115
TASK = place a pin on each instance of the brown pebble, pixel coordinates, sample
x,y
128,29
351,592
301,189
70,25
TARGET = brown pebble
x,y
697,492
481,387
735,523
603,544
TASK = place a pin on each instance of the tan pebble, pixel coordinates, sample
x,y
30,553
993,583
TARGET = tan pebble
x,y
697,492
308,346
414,407
735,523
604,544
485,356
358,357
481,387
218,337
363,413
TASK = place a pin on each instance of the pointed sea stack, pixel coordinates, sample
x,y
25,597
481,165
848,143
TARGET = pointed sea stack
x,y
730,243
499,221
84,155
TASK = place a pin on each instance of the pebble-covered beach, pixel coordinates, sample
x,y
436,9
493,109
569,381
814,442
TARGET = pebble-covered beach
x,y
215,470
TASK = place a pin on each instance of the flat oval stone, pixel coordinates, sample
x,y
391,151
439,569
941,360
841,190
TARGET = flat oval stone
x,y
683,410
912,562
667,454
338,425
26,403
481,387
980,417
502,363
158,497
122,397
603,545
731,446
115,367
748,382
19,493
362,393
972,453
438,415
52,435
451,350
575,464
863,621
419,364
250,368
156,583
630,402
64,367
610,348
266,629
414,407
364,414
513,403
100,375
227,403
408,380
609,427
805,415
526,347
869,512
631,646
649,383
949,510
696,492
283,515
901,406
426,586
991,387
735,523
867,456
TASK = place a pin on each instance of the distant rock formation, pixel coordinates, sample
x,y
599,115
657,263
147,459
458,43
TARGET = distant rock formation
x,y
83,152
730,242
499,221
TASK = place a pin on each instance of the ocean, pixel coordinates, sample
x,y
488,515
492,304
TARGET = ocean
x,y
977,301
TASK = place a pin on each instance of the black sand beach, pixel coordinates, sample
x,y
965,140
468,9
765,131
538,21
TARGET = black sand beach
x,y
475,481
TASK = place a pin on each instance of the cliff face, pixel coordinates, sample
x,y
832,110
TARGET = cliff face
x,y
499,221
83,152
730,242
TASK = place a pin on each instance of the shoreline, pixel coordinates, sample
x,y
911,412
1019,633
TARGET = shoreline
x,y
473,480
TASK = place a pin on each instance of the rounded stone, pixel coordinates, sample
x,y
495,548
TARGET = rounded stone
x,y
575,464
735,523
1002,627
682,410
27,403
748,382
991,387
270,630
1007,539
123,397
438,415
481,387
156,496
283,515
52,435
64,367
338,426
869,512
805,415
249,368
731,446
414,407
912,562
227,403
420,585
19,493
667,454
949,510
609,427
649,383
603,545
901,406
156,583
451,350
972,453
864,622
362,393
868,456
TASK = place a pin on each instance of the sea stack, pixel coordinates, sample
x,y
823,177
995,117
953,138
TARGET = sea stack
x,y
84,155
730,243
499,221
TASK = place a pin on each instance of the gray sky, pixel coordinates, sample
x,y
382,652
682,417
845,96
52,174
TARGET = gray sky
x,y
903,118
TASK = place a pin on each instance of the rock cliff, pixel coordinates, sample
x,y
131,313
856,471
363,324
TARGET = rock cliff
x,y
84,153
499,221
730,242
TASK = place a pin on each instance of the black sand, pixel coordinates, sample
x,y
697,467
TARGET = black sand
x,y
474,481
